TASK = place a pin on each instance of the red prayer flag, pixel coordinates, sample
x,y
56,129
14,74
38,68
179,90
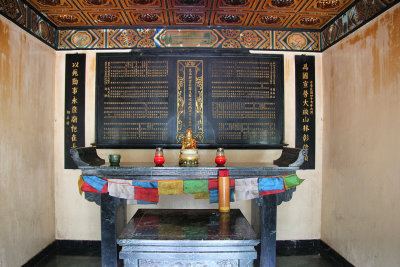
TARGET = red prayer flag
x,y
264,193
146,194
88,188
213,183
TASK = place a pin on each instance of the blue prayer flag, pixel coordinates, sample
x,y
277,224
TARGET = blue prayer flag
x,y
95,182
145,184
270,184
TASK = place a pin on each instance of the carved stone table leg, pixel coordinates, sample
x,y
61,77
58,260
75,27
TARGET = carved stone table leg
x,y
268,231
113,219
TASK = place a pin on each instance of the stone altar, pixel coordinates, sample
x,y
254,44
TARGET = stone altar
x,y
113,210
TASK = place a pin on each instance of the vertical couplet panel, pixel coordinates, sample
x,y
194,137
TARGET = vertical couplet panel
x,y
74,132
305,108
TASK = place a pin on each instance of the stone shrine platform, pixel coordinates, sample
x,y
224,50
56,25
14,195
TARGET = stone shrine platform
x,y
166,238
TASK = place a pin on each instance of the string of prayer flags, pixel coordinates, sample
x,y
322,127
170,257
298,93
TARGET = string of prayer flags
x,y
214,195
246,189
121,188
173,187
271,185
95,182
292,181
145,184
195,186
146,194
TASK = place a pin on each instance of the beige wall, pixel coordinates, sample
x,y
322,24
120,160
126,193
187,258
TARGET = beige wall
x,y
361,198
79,219
27,222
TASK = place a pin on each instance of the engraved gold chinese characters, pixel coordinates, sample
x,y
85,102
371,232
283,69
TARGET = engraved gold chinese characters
x,y
188,156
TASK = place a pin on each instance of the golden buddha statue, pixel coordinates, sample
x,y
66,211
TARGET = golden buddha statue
x,y
188,141
188,156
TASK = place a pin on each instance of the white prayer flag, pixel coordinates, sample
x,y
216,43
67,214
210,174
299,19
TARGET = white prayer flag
x,y
246,188
121,188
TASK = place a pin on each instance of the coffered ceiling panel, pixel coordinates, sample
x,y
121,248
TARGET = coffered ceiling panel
x,y
141,4
331,7
271,19
112,17
309,21
98,4
186,17
68,18
290,14
282,5
189,4
148,17
53,5
235,4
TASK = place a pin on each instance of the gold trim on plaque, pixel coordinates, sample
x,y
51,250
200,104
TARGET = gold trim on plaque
x,y
196,67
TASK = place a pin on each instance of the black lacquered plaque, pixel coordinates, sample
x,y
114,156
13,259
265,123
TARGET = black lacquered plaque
x,y
74,132
232,100
305,108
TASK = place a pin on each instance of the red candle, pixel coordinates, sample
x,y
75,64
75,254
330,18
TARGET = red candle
x,y
220,157
159,160
159,157
220,160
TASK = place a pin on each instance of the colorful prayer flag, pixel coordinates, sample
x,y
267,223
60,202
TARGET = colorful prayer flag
x,y
95,182
214,195
146,194
246,189
270,185
201,196
195,186
213,183
145,184
121,188
292,181
170,187
80,183
88,188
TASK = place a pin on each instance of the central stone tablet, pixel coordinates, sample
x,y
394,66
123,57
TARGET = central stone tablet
x,y
159,237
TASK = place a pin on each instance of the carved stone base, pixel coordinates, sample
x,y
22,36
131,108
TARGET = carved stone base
x,y
188,238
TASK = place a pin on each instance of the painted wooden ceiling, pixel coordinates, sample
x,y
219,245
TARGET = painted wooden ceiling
x,y
290,14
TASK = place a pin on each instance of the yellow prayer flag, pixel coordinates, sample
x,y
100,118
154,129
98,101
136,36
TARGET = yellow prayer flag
x,y
170,187
80,183
202,196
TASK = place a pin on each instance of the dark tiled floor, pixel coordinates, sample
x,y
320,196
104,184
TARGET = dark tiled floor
x,y
302,261
87,258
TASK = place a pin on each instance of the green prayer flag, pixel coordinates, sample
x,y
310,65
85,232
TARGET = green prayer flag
x,y
195,186
292,181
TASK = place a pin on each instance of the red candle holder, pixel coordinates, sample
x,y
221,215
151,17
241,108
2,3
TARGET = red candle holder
x,y
159,157
220,159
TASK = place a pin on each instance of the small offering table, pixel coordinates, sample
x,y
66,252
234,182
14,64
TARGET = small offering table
x,y
113,210
165,238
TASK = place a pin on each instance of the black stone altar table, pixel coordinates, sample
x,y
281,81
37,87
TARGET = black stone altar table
x,y
113,210
164,238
